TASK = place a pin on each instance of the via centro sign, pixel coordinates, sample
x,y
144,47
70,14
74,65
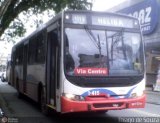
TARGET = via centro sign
x,y
146,12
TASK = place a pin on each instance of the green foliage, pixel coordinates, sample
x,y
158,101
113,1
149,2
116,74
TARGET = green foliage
x,y
8,16
17,29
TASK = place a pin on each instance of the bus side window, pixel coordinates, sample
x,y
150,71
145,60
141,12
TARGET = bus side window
x,y
70,65
40,48
19,55
54,38
32,50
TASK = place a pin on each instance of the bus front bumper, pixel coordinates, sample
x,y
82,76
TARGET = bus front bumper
x,y
68,106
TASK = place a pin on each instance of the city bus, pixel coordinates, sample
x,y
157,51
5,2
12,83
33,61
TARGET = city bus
x,y
82,61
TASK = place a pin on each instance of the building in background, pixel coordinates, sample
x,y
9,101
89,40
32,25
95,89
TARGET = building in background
x,y
147,11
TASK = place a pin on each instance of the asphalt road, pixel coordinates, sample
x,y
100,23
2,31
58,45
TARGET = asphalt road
x,y
26,111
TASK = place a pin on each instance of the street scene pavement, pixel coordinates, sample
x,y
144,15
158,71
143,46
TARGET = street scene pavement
x,y
152,96
26,111
116,41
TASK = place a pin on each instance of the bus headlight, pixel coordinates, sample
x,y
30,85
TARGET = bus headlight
x,y
74,97
133,95
136,94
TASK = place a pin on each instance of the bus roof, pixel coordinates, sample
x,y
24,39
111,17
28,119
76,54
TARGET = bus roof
x,y
59,15
100,12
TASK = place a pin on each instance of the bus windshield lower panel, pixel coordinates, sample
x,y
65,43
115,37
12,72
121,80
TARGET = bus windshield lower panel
x,y
103,54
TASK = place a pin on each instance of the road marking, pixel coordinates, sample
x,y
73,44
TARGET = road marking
x,y
146,113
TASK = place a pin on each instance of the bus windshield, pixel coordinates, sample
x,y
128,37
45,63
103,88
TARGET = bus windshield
x,y
91,52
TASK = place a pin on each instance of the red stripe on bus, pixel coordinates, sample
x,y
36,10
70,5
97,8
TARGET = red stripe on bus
x,y
68,106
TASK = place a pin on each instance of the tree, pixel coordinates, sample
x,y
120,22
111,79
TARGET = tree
x,y
10,9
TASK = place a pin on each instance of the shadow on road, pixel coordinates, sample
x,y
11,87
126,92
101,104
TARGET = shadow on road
x,y
83,118
25,110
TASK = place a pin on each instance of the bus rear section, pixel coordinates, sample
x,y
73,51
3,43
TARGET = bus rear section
x,y
103,63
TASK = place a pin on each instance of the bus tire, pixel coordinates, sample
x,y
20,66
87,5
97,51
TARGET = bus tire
x,y
43,107
102,112
20,95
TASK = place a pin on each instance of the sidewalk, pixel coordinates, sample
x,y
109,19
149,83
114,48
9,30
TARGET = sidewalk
x,y
153,97
1,110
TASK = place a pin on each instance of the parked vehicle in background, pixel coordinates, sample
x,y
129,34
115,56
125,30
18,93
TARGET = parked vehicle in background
x,y
8,72
3,76
3,72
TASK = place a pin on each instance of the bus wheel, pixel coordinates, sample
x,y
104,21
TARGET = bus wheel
x,y
43,107
102,112
20,95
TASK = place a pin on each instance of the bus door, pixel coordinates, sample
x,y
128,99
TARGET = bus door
x,y
25,56
51,74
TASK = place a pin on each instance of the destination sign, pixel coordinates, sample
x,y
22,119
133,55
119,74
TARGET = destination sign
x,y
99,19
112,21
79,19
91,71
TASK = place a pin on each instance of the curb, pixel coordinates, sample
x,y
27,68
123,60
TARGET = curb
x,y
153,103
152,92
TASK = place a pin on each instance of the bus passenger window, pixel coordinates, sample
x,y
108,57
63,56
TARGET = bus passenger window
x,y
32,50
40,49
70,65
69,61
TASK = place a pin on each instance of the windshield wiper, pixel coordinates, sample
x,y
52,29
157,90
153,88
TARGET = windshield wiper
x,y
116,38
91,36
100,52
96,42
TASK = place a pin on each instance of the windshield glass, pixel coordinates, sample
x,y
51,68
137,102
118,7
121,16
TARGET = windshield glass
x,y
102,53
